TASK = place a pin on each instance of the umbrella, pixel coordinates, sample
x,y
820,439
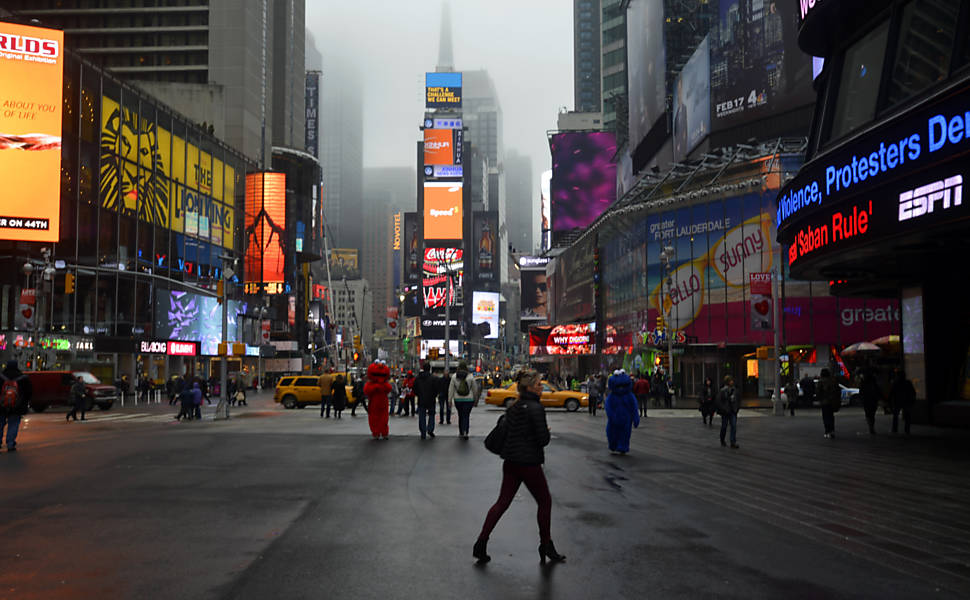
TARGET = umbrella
x,y
889,343
860,347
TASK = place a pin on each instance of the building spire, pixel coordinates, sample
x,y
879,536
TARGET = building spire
x,y
446,61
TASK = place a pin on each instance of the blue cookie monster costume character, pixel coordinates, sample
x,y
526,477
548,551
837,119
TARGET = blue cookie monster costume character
x,y
621,412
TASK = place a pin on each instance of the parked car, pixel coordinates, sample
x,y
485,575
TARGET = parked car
x,y
552,397
850,395
53,388
300,391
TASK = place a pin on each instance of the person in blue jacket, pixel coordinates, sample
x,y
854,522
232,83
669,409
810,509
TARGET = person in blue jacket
x,y
621,412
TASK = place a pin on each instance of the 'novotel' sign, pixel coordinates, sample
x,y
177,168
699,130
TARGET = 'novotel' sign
x,y
910,142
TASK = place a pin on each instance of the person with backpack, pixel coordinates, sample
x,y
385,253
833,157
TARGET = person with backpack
x,y
461,392
522,453
830,397
78,399
728,406
15,394
426,390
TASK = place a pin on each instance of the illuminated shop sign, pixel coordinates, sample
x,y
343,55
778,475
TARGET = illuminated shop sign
x,y
932,135
447,123
397,232
146,347
181,349
529,262
169,347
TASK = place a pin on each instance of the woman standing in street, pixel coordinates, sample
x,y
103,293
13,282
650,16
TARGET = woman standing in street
x,y
707,402
461,393
527,435
339,395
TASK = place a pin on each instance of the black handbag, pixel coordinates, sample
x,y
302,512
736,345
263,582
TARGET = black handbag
x,y
495,440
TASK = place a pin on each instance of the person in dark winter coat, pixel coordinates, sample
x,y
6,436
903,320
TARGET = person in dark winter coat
x,y
728,406
830,398
426,390
527,434
641,389
197,400
622,413
444,406
871,394
339,393
78,392
20,390
708,395
902,397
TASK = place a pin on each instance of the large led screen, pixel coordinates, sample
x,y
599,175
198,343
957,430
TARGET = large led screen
x,y
646,69
443,147
583,182
535,294
32,80
692,102
485,250
189,317
265,232
442,90
442,211
443,272
757,68
485,309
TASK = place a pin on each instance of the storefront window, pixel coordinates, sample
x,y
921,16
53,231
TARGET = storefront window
x,y
925,45
859,84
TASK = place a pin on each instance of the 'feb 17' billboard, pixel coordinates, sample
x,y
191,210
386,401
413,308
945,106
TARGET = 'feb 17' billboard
x,y
32,80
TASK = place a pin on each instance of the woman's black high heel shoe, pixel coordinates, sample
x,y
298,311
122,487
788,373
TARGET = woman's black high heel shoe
x,y
548,550
480,551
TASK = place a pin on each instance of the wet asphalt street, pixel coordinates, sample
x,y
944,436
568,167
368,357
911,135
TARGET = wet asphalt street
x,y
284,504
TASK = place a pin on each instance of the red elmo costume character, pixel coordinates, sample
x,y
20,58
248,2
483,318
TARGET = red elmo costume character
x,y
376,390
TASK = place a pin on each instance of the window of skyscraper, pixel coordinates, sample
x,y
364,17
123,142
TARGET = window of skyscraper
x,y
925,45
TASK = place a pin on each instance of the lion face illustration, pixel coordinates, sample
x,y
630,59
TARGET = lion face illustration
x,y
132,172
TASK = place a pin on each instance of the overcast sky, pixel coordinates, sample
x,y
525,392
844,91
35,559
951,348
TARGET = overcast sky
x,y
526,46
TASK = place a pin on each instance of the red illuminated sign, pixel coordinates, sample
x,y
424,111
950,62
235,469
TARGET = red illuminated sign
x,y
265,232
840,227
181,349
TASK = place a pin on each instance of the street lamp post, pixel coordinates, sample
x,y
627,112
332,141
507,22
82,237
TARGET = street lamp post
x,y
222,408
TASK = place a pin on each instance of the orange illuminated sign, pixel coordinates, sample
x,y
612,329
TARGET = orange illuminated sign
x,y
439,147
265,232
32,80
442,211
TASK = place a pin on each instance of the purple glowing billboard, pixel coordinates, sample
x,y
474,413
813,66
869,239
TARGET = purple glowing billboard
x,y
583,178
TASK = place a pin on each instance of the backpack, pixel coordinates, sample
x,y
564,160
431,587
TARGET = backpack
x,y
9,393
463,389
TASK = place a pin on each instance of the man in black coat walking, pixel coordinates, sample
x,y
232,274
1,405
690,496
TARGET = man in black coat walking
x,y
426,391
444,407
15,394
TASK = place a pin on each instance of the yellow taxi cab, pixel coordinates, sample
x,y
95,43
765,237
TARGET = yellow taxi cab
x,y
298,391
552,397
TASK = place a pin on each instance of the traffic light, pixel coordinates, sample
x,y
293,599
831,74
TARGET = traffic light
x,y
356,356
220,290
357,342
69,283
433,353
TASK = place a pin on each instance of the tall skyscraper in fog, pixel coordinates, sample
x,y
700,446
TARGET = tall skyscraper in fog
x,y
586,56
613,65
222,62
520,196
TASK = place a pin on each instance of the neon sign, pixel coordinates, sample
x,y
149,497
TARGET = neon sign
x,y
842,227
918,202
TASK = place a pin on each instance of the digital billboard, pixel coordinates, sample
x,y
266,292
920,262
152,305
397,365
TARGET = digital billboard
x,y
440,345
163,179
433,325
32,79
559,340
344,263
442,90
535,294
443,272
583,184
188,317
265,233
442,210
413,248
443,147
757,69
646,71
485,251
485,309
692,102
545,212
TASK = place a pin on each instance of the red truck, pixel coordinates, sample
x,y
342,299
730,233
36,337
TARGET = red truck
x,y
53,388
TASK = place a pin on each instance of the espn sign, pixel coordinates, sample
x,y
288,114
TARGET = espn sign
x,y
925,199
